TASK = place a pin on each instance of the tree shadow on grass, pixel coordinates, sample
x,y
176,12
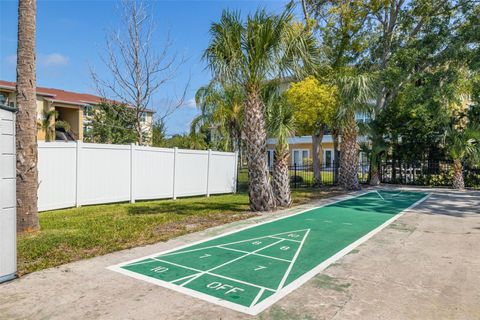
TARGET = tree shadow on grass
x,y
182,208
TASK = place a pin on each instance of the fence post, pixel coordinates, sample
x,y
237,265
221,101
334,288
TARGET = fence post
x,y
208,171
132,173
175,153
78,173
235,172
295,174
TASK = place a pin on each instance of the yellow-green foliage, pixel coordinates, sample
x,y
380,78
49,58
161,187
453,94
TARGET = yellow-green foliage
x,y
314,104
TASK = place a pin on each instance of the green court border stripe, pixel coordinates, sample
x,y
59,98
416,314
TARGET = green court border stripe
x,y
284,291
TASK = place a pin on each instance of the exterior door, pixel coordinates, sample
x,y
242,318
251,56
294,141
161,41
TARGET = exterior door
x,y
328,158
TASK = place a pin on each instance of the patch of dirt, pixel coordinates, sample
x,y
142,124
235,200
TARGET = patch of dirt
x,y
278,313
400,226
327,282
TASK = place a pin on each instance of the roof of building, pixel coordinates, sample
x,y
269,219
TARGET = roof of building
x,y
301,140
308,139
60,96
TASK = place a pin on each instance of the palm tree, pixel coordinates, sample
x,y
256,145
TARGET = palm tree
x,y
250,53
26,125
221,107
280,125
374,148
48,124
462,145
355,91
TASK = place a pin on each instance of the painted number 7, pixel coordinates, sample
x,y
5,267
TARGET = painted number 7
x,y
206,255
259,268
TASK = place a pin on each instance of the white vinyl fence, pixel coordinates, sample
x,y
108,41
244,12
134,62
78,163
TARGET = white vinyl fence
x,y
75,174
8,224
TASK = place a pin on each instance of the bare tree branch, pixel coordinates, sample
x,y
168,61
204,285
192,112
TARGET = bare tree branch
x,y
137,70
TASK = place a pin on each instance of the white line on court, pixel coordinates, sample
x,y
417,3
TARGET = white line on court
x,y
200,271
255,254
141,262
198,275
276,296
379,195
241,257
283,239
183,278
322,266
285,276
169,253
259,295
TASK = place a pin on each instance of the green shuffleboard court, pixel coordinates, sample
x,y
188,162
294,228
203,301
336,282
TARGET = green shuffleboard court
x,y
250,269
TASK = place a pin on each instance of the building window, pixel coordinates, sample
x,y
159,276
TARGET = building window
x,y
87,111
300,157
270,158
362,117
86,129
3,99
143,117
328,158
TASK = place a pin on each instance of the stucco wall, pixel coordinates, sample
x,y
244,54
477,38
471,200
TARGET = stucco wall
x,y
74,116
305,146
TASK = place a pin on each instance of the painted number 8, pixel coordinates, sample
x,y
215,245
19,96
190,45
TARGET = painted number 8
x,y
285,248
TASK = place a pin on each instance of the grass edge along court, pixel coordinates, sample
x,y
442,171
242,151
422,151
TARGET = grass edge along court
x,y
229,269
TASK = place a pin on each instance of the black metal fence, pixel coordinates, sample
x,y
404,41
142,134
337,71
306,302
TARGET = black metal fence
x,y
426,173
302,176
422,173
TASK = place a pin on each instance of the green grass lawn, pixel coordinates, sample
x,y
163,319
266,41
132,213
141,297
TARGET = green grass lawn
x,y
79,233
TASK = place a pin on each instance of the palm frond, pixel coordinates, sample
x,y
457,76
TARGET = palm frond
x,y
355,94
280,120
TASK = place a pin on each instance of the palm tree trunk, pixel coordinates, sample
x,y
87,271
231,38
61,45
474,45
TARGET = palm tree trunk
x,y
260,190
348,177
26,126
458,182
317,151
280,180
374,169
374,175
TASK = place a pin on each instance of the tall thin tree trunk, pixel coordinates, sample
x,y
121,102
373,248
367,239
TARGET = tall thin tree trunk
x,y
240,150
317,153
26,126
280,179
260,190
139,131
348,177
458,182
336,155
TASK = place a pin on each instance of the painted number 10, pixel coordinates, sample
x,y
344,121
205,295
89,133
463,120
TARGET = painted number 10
x,y
159,269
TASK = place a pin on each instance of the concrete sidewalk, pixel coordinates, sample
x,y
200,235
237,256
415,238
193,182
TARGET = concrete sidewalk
x,y
423,266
